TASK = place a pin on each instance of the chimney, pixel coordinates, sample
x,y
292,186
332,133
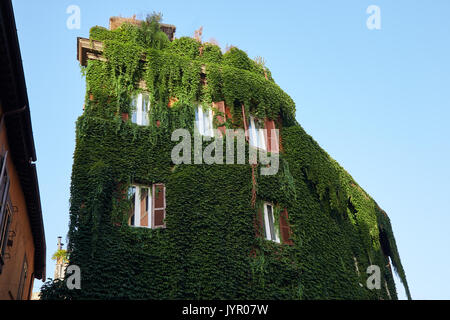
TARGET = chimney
x,y
60,245
60,267
116,22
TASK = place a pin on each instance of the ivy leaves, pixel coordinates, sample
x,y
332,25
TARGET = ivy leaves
x,y
174,69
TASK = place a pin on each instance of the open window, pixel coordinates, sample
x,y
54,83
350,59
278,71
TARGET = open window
x,y
159,206
204,121
144,199
271,231
257,137
285,228
270,228
140,106
132,198
148,207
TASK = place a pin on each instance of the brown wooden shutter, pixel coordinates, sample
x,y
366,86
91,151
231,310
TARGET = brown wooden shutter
x,y
4,232
5,217
259,223
271,137
220,107
3,177
4,190
280,127
228,113
159,206
285,228
125,116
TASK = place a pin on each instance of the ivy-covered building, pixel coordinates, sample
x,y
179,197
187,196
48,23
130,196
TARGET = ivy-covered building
x,y
145,227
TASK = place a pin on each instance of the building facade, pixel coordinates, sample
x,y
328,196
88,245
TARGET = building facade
x,y
22,240
145,225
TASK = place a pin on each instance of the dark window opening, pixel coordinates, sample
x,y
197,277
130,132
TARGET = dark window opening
x,y
384,242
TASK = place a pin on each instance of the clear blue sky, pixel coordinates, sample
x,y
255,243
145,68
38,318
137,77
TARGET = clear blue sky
x,y
378,101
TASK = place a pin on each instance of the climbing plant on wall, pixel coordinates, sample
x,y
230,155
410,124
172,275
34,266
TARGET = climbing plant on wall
x,y
209,248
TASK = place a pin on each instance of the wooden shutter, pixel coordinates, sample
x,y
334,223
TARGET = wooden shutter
x,y
220,107
5,218
159,206
280,126
271,136
228,113
4,193
3,178
4,233
285,228
259,222
139,110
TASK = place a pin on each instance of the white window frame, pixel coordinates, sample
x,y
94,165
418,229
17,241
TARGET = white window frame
x,y
204,121
257,137
139,114
137,206
267,228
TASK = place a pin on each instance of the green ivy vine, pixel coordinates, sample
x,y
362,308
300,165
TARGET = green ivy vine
x,y
209,249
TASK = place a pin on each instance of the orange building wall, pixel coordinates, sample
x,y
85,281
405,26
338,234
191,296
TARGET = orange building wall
x,y
22,242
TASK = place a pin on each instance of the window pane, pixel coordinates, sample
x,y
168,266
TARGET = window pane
x,y
251,129
206,123
207,116
202,123
261,139
144,207
211,132
257,138
271,224
134,109
145,102
145,109
199,119
265,227
132,197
